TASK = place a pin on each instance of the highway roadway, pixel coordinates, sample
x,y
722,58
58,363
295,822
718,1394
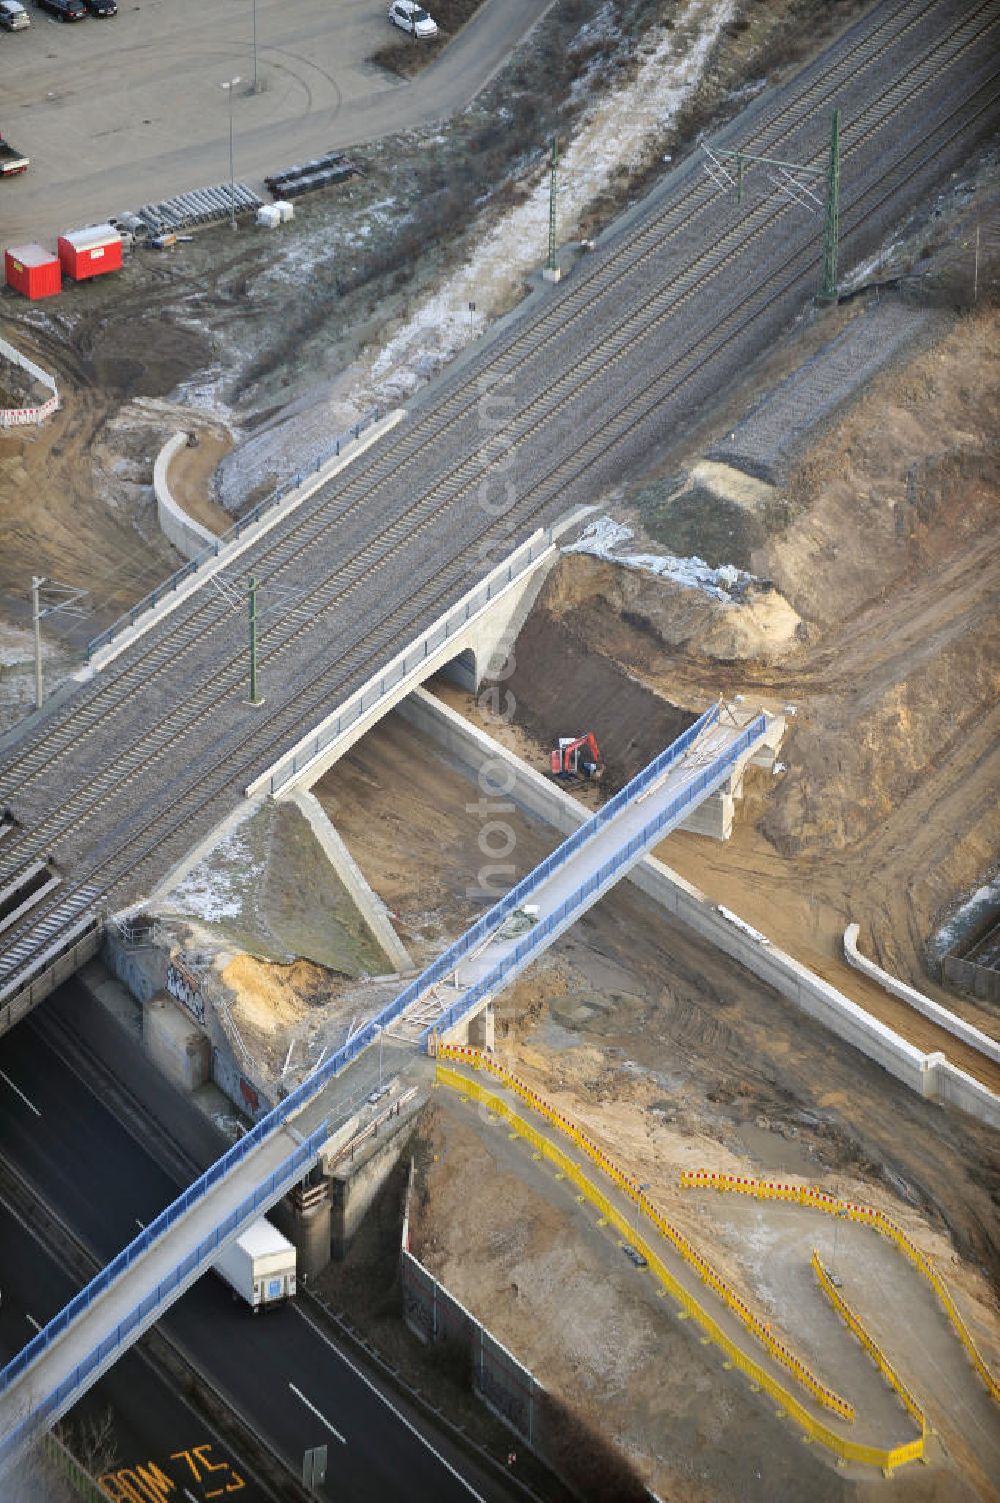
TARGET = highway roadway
x,y
282,1372
153,1426
120,780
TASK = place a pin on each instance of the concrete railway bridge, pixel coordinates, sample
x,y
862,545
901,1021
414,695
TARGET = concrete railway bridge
x,y
129,769
423,551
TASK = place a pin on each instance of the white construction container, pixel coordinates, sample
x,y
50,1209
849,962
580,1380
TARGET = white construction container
x,y
259,1266
269,216
285,209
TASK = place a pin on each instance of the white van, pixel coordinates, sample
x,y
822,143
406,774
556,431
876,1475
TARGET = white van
x,y
13,16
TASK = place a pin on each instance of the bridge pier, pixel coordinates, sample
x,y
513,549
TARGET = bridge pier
x,y
304,1218
478,1030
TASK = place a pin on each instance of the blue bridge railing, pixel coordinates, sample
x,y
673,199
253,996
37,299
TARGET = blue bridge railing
x,y
711,776
356,1045
139,1316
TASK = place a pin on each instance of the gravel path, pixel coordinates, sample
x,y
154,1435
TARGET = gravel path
x,y
779,426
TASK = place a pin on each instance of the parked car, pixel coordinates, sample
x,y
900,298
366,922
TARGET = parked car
x,y
64,10
13,16
12,161
409,16
102,7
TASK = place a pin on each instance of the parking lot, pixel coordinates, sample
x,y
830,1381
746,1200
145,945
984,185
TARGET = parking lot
x,y
119,112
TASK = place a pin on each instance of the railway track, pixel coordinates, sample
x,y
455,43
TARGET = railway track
x,y
123,744
771,134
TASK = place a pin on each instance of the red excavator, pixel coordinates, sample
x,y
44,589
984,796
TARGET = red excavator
x,y
576,757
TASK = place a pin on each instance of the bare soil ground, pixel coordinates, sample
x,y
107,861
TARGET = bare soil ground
x,y
884,544
888,809
513,1245
672,1058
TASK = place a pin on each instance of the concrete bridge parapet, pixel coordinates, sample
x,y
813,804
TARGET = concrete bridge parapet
x,y
477,629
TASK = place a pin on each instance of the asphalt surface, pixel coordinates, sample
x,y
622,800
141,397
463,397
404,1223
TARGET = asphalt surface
x,y
282,1372
152,1424
118,113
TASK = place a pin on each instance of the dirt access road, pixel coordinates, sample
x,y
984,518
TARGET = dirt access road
x,y
139,97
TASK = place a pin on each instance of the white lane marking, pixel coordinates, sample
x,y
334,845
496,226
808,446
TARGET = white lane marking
x,y
18,1092
332,1428
389,1405
32,1320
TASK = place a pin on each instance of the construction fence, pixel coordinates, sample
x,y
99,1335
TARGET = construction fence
x,y
434,1315
753,1322
888,1459
13,417
855,1325
819,1200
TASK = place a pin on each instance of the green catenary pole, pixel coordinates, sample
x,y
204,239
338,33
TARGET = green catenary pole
x,y
254,697
552,203
831,229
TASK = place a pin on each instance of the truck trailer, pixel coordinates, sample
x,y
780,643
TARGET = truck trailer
x,y
259,1266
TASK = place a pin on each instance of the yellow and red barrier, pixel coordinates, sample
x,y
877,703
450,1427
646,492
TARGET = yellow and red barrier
x,y
854,1323
820,1200
840,1445
478,1060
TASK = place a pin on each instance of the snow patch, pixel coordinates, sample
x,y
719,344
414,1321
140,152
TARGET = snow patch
x,y
611,137
215,888
604,537
966,916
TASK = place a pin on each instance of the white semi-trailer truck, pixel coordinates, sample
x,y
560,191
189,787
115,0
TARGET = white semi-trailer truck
x,y
259,1266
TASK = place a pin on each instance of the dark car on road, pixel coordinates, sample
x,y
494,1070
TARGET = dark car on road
x,y
64,10
102,7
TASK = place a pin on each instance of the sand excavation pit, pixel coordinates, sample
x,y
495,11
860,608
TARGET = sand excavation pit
x,y
887,810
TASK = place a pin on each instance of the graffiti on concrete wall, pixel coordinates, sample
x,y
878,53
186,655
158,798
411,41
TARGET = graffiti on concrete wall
x,y
234,1084
185,987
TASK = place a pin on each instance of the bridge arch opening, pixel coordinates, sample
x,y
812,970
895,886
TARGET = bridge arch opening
x,y
464,670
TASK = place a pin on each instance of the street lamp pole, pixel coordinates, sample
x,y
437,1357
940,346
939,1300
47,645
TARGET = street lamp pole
x,y
638,1206
36,622
230,89
255,46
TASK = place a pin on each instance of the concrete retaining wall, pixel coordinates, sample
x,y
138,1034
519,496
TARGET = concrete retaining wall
x,y
355,1184
978,981
930,1075
188,536
175,1043
370,907
115,641
943,1016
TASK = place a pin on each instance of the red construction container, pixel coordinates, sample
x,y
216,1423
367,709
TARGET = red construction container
x,y
90,252
33,270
